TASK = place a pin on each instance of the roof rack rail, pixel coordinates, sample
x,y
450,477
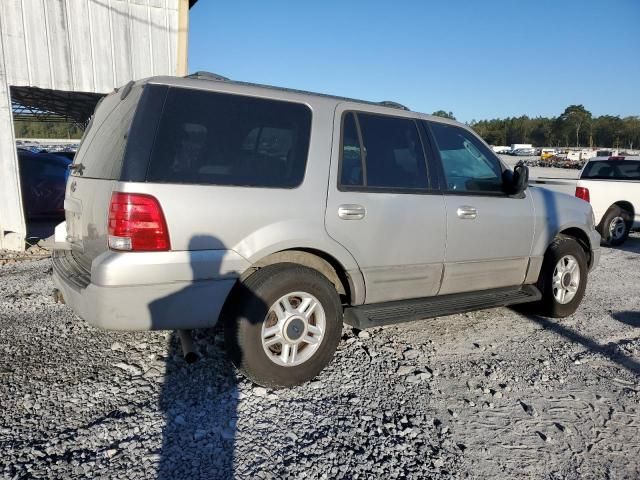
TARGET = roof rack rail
x,y
389,103
207,76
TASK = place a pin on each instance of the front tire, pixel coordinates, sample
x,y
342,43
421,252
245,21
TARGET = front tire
x,y
283,325
615,226
563,278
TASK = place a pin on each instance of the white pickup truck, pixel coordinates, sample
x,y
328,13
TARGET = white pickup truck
x,y
612,186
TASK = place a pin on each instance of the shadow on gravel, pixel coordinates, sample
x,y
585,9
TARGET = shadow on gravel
x,y
200,404
200,400
631,245
629,318
610,350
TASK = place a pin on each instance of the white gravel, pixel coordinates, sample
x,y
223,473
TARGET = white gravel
x,y
490,394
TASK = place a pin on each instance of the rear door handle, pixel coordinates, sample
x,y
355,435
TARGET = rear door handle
x,y
351,212
467,213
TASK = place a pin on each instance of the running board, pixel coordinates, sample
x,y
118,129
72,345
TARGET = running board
x,y
388,313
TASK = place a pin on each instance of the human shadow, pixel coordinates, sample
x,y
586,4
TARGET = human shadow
x,y
627,317
610,350
200,400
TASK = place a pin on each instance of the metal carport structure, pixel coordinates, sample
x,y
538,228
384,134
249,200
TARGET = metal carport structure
x,y
58,57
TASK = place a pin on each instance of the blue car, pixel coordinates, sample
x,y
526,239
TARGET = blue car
x,y
43,177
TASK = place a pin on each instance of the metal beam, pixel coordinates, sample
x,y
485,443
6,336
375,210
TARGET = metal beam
x,y
12,225
39,104
183,37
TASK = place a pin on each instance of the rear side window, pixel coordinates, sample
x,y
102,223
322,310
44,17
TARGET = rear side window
x,y
103,146
382,152
467,164
221,139
351,168
612,170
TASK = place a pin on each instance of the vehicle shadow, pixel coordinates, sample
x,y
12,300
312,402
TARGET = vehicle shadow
x,y
610,350
630,318
631,245
199,400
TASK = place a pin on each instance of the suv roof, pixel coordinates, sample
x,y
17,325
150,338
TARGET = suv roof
x,y
215,82
214,77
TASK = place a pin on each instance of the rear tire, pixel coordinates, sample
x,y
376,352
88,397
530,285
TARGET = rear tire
x,y
615,226
283,325
563,278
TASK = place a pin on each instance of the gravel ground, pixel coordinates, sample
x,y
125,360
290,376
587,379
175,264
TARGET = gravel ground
x,y
490,394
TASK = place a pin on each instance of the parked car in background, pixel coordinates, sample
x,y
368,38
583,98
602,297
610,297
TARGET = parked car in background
x,y
282,214
500,149
520,146
546,153
42,180
612,186
524,152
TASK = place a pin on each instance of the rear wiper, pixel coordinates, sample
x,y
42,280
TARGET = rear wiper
x,y
77,167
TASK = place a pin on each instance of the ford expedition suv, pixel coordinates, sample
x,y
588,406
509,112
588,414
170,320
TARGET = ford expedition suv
x,y
281,214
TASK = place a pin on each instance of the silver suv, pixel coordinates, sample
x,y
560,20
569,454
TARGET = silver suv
x,y
282,214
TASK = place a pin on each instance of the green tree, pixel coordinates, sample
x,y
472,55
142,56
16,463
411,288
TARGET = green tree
x,y
38,129
442,113
631,129
576,116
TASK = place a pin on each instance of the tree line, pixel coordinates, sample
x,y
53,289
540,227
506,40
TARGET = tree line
x,y
575,127
33,129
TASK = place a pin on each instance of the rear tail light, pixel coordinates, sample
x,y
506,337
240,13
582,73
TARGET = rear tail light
x,y
617,157
583,193
136,223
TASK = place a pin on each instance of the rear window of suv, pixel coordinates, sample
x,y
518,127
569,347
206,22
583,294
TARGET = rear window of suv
x,y
102,148
381,152
612,170
221,139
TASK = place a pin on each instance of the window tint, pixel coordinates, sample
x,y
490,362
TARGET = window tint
x,y
392,152
351,173
468,165
102,148
612,170
221,139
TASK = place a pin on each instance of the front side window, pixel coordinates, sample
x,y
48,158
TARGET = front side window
x,y
387,153
221,139
467,164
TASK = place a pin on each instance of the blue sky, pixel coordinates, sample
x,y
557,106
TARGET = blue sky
x,y
479,59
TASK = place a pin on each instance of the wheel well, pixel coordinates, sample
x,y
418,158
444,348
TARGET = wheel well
x,y
316,259
583,240
626,206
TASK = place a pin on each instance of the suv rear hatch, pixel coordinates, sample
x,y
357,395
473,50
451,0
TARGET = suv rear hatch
x,y
96,169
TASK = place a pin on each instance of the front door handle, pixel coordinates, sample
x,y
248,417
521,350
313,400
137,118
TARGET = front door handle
x,y
467,213
351,212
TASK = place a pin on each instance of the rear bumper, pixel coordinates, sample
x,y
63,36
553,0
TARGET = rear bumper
x,y
156,291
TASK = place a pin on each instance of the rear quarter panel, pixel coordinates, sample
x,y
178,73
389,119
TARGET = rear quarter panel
x,y
604,193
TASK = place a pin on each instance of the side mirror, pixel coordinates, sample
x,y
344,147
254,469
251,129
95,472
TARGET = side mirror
x,y
517,181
